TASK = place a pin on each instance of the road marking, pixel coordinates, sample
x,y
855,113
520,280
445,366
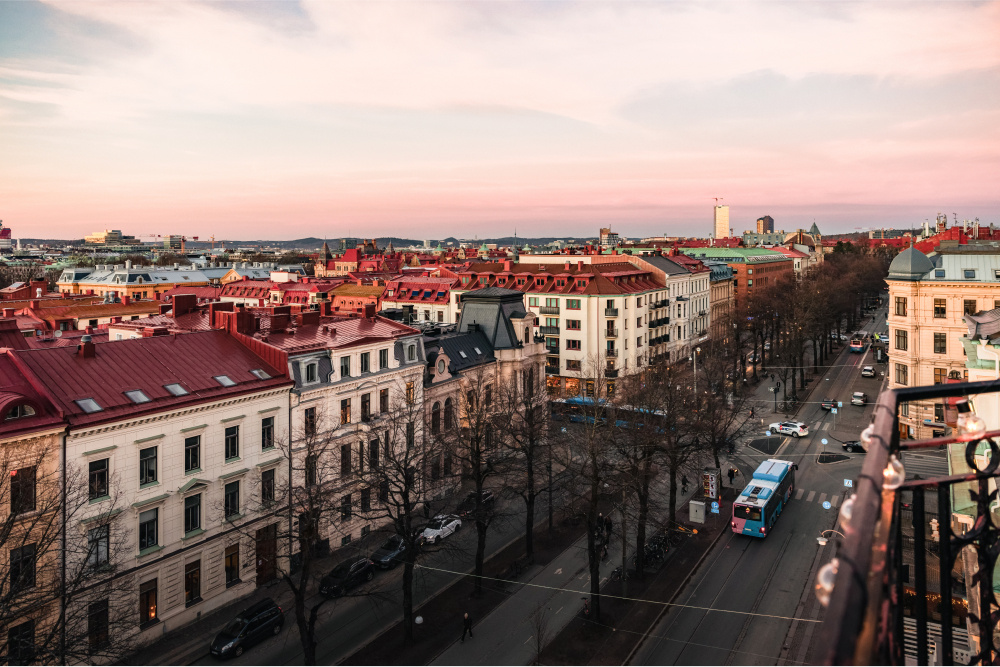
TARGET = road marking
x,y
560,609
558,571
528,639
835,500
809,498
603,580
798,494
822,497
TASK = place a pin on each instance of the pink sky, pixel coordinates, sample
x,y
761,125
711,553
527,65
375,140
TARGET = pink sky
x,y
425,120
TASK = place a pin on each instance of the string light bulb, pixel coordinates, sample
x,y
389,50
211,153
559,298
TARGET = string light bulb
x,y
846,511
825,579
894,474
866,435
969,424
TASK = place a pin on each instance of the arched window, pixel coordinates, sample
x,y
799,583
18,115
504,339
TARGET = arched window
x,y
449,413
436,419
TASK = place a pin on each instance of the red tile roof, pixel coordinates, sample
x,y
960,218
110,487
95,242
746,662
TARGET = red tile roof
x,y
17,389
335,333
605,278
147,364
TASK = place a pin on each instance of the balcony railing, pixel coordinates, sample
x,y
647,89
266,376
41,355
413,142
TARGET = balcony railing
x,y
611,312
885,525
611,354
702,313
549,310
549,331
611,373
612,333
551,370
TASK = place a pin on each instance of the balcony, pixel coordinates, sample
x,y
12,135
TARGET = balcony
x,y
702,313
551,370
900,547
610,373
549,331
611,354
549,310
552,351
611,312
612,333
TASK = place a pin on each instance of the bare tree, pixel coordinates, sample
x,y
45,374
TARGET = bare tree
x,y
540,625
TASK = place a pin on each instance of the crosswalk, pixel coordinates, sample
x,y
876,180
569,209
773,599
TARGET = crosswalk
x,y
820,498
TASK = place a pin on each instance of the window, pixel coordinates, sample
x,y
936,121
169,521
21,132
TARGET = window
x,y
147,603
940,375
148,528
411,353
572,364
410,433
21,644
260,374
573,325
573,304
192,582
440,316
383,400
366,358
532,300
940,307
309,421
373,453
88,405
366,407
345,460
552,303
449,413
345,367
231,500
224,381
901,339
311,465
970,307
638,323
345,411
311,372
192,454
552,322
366,500
232,442
383,358
901,306
147,466
940,343
409,393
22,568
176,389
98,544
22,490
267,486
136,396
904,409
232,564
611,388
345,508
970,274
267,433
436,419
939,412
573,344
192,513
98,479
97,625
902,373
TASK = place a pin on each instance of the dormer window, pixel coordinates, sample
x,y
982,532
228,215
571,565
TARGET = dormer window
x,y
411,353
19,412
137,396
970,274
224,380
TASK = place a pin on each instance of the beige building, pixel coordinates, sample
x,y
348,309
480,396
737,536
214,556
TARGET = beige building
x,y
722,222
928,299
722,298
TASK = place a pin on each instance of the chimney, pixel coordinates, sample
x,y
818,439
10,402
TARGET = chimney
x,y
579,265
507,264
218,307
149,332
360,283
8,312
86,347
308,317
88,329
184,304
126,300
128,263
163,308
567,265
33,304
369,310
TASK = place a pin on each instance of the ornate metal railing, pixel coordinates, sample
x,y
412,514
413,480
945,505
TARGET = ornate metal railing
x,y
871,585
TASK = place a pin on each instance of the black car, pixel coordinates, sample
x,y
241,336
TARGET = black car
x,y
468,506
390,553
828,404
254,624
347,575
852,446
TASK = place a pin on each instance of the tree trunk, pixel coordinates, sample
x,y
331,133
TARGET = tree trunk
x,y
595,570
408,596
529,502
640,532
672,506
480,555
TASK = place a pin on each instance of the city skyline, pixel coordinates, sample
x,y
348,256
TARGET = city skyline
x,y
292,119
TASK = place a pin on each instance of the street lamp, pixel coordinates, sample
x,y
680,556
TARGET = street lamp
x,y
694,363
823,539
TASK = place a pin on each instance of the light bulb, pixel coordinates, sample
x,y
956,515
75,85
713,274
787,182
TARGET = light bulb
x,y
894,474
971,424
866,435
846,510
825,579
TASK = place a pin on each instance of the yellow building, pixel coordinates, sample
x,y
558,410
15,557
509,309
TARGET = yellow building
x,y
928,299
144,282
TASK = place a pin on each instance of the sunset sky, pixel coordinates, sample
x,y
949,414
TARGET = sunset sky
x,y
430,119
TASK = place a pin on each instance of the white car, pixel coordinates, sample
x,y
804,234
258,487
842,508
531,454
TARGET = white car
x,y
440,526
794,429
867,372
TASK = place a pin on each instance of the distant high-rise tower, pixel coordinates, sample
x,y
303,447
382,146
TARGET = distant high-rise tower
x,y
765,225
722,222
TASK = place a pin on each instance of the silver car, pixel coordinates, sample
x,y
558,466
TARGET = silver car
x,y
440,527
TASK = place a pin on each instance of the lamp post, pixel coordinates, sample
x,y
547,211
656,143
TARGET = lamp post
x,y
694,363
823,539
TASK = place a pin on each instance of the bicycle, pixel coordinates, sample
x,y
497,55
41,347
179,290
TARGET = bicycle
x,y
619,574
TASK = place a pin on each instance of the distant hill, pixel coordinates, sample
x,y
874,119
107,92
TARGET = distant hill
x,y
315,243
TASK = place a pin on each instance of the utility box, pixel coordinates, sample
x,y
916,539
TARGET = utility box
x,y
696,511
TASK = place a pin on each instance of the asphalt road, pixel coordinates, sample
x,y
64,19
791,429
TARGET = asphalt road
x,y
740,606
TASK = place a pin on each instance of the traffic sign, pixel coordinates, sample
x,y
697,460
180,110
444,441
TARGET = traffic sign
x,y
840,404
848,483
823,441
833,411
767,433
826,504
715,507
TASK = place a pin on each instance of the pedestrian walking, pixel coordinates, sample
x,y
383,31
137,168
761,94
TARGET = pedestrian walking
x,y
607,526
600,523
684,484
732,476
466,626
751,413
772,377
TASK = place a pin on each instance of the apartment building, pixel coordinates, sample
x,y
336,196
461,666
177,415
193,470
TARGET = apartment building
x,y
177,438
929,298
754,269
428,296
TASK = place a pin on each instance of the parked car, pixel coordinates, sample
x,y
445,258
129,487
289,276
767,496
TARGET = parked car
x,y
852,446
884,337
389,554
767,345
347,575
440,527
794,429
254,624
859,398
828,403
753,358
468,506
868,372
